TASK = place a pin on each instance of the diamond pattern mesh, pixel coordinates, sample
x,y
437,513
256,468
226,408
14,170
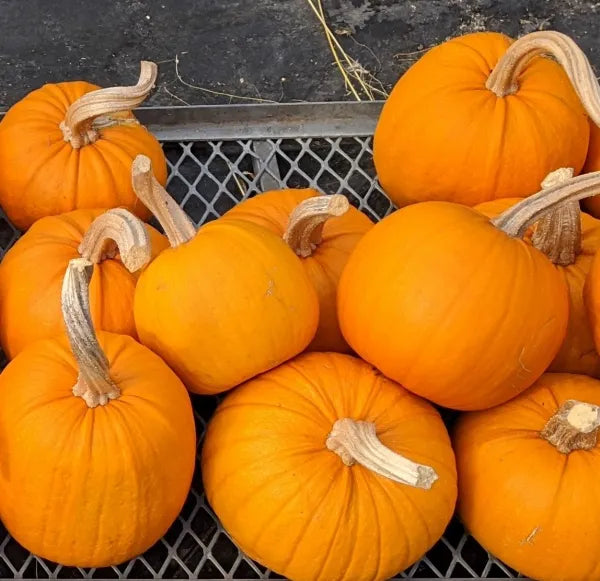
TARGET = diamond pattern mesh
x,y
207,178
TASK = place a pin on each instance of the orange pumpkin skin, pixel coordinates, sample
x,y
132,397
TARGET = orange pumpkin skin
x,y
443,136
227,305
452,308
324,267
291,503
31,278
43,175
591,298
117,486
506,468
592,163
577,353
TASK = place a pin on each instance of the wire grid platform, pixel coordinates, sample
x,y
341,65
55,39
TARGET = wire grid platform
x,y
212,166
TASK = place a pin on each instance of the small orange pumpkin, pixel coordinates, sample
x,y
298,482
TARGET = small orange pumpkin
x,y
70,145
482,117
224,303
97,442
570,239
449,304
322,231
527,472
32,271
301,463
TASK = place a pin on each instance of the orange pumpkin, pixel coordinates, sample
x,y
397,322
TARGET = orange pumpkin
x,y
592,163
70,145
224,303
32,270
449,304
323,231
527,471
570,239
301,463
97,442
482,117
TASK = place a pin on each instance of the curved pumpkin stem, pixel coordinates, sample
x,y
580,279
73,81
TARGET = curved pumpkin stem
x,y
573,427
355,441
117,230
503,80
517,219
558,233
94,384
175,222
92,111
305,225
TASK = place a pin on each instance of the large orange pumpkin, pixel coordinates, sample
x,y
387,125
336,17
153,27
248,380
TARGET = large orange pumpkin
x,y
324,469
323,231
70,145
97,442
224,303
32,271
527,473
456,308
570,239
482,117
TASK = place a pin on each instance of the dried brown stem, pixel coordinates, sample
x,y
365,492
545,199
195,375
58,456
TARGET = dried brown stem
x,y
79,128
573,427
177,226
94,384
357,442
503,80
558,234
119,230
305,225
517,219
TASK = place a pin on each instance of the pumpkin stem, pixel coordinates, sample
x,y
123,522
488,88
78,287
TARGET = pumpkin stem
x,y
503,80
355,441
573,427
117,230
94,384
92,111
305,226
177,226
516,220
558,233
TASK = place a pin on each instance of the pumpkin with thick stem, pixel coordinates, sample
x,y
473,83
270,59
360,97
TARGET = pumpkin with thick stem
x,y
97,445
322,231
31,273
70,145
224,303
482,117
305,459
525,472
459,309
570,239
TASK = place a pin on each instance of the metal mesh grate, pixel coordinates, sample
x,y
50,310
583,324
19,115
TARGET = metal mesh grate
x,y
207,178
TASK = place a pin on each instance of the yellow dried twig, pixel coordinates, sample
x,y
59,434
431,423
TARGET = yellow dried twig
x,y
351,70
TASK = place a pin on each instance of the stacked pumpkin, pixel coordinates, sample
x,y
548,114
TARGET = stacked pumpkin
x,y
493,310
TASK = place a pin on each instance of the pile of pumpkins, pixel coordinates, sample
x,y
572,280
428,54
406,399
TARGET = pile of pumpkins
x,y
329,459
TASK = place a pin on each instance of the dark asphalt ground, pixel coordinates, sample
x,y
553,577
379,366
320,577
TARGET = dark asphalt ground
x,y
268,49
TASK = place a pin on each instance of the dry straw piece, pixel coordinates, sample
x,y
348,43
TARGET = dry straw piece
x,y
356,77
